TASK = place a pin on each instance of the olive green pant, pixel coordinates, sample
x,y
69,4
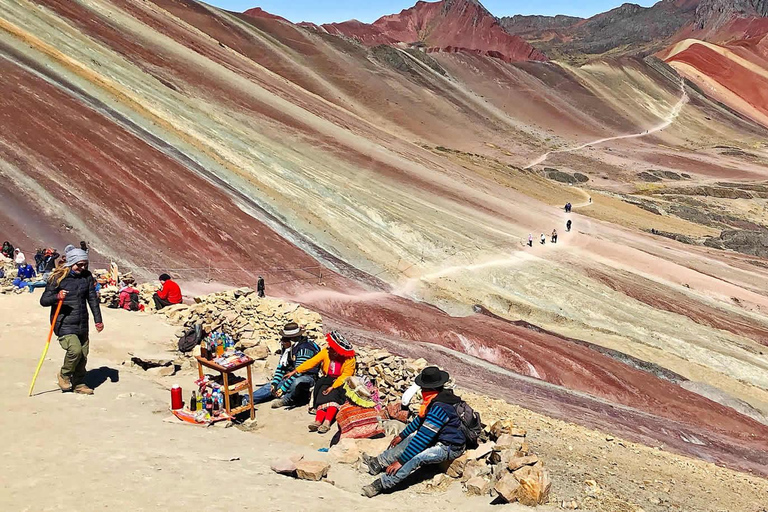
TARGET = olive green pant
x,y
76,357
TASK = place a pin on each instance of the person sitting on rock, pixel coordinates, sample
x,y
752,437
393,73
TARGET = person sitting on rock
x,y
7,250
338,363
129,297
435,436
286,385
168,295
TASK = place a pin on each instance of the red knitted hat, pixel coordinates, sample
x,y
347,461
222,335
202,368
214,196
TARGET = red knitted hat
x,y
339,344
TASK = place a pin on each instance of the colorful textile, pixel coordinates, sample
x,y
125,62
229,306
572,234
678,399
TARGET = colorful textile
x,y
323,358
359,422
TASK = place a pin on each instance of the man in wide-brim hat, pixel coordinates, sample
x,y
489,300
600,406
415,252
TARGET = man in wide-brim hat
x,y
296,348
433,437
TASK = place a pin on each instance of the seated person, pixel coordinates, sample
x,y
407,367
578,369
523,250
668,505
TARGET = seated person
x,y
433,437
338,363
297,349
168,295
26,272
129,298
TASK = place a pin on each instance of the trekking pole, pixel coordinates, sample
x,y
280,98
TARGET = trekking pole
x,y
47,344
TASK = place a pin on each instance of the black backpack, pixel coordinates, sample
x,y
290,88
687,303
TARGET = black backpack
x,y
191,338
134,301
471,426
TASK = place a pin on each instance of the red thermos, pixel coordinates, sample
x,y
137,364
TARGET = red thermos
x,y
176,400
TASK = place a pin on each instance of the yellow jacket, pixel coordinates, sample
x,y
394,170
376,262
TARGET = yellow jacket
x,y
347,367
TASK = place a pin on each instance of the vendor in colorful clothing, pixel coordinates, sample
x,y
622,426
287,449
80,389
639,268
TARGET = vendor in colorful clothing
x,y
433,437
338,363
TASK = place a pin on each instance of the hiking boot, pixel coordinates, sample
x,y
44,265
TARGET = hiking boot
x,y
281,402
372,464
324,428
83,389
65,383
374,489
314,426
312,411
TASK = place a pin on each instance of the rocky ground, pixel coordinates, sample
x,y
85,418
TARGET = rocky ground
x,y
77,447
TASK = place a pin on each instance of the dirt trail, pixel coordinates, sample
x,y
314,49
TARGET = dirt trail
x,y
676,109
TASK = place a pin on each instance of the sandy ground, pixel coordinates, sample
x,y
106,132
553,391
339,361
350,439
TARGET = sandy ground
x,y
66,452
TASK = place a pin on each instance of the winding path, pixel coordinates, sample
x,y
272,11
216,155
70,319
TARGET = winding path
x,y
667,121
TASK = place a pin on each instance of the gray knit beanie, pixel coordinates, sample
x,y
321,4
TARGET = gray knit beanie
x,y
76,255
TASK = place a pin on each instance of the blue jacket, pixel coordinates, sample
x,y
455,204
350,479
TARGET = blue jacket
x,y
441,424
27,272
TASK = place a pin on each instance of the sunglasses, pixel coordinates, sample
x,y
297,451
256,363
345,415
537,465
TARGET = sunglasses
x,y
81,264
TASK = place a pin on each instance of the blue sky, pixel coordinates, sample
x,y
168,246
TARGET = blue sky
x,y
325,11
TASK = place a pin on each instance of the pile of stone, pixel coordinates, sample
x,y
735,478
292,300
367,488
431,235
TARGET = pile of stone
x,y
504,468
111,295
391,374
254,323
9,271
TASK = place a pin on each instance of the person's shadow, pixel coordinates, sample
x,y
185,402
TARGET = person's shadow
x,y
97,377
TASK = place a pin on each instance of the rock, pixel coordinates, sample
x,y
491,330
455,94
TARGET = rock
x,y
569,505
507,442
502,427
475,468
284,467
441,481
456,468
257,353
481,451
162,371
518,462
592,489
477,486
507,488
346,452
534,488
311,470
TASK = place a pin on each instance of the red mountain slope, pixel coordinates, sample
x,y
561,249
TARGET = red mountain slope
x,y
448,25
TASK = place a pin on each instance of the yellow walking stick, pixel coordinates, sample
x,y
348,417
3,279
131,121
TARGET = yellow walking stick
x,y
47,344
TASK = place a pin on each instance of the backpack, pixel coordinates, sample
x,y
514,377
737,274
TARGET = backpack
x,y
191,338
471,426
134,301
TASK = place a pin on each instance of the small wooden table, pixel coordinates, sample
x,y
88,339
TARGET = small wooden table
x,y
240,386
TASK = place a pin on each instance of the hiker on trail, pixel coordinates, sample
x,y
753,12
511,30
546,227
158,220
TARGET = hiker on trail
x,y
433,437
168,295
7,250
19,259
84,246
338,362
260,287
554,236
530,239
74,285
568,225
129,297
285,384
543,239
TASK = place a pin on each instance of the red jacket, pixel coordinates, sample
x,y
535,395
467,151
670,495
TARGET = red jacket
x,y
170,292
125,297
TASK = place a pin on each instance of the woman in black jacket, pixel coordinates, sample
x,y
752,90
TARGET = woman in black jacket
x,y
73,284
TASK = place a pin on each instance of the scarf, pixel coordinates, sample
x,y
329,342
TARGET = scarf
x,y
426,398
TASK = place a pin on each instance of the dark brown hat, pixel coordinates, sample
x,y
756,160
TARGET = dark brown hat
x,y
432,377
291,330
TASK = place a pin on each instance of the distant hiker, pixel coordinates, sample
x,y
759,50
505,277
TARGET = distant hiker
x,y
543,239
260,287
568,225
435,436
168,295
338,362
590,200
530,239
7,250
38,259
19,259
74,284
286,385
84,246
554,236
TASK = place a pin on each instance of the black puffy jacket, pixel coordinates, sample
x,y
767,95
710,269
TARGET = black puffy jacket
x,y
73,318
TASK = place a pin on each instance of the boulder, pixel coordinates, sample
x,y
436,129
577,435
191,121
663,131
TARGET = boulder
x,y
284,467
507,488
534,488
346,452
501,427
456,468
162,371
257,353
311,470
508,442
477,486
475,468
518,462
481,451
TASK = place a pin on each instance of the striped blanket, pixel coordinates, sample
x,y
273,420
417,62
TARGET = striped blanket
x,y
358,422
